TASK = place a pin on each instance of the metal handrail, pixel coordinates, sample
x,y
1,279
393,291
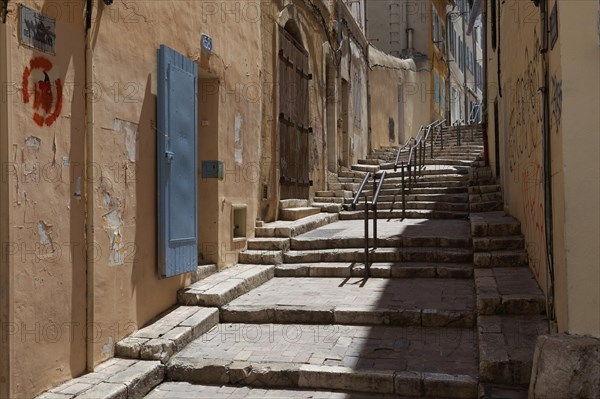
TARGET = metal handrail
x,y
416,157
360,190
375,197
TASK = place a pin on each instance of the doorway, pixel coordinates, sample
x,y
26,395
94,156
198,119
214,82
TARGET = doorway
x,y
294,126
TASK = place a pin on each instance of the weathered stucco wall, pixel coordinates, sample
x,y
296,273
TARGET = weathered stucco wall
x,y
515,77
44,174
398,93
53,337
128,293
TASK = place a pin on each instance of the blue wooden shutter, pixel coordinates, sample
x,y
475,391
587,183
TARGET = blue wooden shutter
x,y
177,149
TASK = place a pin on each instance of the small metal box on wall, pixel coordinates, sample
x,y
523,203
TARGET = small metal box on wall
x,y
212,169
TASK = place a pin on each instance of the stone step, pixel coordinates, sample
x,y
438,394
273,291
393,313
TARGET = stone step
x,y
489,206
334,193
485,189
410,214
379,270
261,257
287,229
366,168
115,378
418,183
291,214
506,347
309,243
329,200
222,287
269,244
169,334
432,205
417,254
328,207
513,291
185,390
411,361
292,203
484,244
344,186
495,391
494,196
508,258
355,301
418,197
494,224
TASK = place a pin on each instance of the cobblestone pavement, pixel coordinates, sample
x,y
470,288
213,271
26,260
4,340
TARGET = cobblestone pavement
x,y
441,350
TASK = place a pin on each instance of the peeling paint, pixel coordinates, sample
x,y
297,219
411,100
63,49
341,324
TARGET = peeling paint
x,y
33,142
44,233
237,140
77,193
131,137
113,222
66,161
108,349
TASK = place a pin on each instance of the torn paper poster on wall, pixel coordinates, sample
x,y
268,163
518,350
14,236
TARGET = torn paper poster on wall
x,y
113,222
237,140
130,131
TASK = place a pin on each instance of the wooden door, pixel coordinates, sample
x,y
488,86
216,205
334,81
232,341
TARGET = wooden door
x,y
294,129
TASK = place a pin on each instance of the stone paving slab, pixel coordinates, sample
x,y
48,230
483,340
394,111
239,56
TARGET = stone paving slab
x,y
115,378
222,287
420,302
494,224
418,349
392,228
511,290
184,390
377,270
506,347
169,334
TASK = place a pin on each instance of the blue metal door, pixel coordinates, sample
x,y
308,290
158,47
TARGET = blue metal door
x,y
177,145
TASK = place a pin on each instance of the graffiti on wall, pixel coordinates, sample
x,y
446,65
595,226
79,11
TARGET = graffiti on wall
x,y
47,94
526,114
525,122
556,101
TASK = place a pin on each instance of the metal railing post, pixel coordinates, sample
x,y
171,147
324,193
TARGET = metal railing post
x,y
442,138
403,193
375,226
366,236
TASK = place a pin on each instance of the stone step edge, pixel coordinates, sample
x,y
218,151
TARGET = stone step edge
x,y
146,344
134,380
396,270
347,315
298,227
287,375
225,291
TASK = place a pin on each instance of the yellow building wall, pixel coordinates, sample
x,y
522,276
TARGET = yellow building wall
x,y
395,84
53,337
515,78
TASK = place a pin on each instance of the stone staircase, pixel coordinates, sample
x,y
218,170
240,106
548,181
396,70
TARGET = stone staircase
x,y
450,308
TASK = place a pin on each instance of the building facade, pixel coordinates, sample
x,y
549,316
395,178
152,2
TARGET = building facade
x,y
97,101
542,131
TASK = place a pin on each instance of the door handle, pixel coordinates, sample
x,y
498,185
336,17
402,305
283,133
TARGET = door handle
x,y
169,155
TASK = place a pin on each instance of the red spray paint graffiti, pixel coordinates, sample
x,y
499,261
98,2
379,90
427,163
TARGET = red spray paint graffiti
x,y
43,92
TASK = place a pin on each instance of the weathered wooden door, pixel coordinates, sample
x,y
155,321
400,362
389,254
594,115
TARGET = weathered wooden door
x,y
294,129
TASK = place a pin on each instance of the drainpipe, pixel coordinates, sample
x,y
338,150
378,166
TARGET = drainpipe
x,y
547,151
89,186
484,88
464,51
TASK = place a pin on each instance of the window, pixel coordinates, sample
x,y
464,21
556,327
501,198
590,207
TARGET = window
x,y
443,95
453,41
